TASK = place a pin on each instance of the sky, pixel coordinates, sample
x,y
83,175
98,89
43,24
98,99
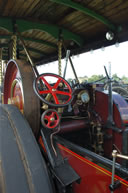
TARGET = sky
x,y
93,62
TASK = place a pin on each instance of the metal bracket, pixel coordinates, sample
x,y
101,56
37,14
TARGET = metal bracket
x,y
61,169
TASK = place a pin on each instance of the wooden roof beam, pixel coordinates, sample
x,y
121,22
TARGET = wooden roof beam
x,y
89,12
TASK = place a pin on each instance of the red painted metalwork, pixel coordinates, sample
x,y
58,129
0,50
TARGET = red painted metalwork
x,y
120,108
94,178
53,90
11,74
120,117
50,119
74,125
101,107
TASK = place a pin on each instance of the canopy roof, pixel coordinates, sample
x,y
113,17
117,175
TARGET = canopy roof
x,y
82,24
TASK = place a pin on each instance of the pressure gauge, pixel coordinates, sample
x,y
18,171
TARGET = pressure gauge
x,y
84,96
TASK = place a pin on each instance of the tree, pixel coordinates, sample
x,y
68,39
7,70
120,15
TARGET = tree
x,y
94,78
115,77
125,79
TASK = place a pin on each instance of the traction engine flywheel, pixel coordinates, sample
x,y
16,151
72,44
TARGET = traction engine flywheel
x,y
18,90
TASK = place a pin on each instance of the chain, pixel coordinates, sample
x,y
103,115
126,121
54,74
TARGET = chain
x,y
14,39
59,56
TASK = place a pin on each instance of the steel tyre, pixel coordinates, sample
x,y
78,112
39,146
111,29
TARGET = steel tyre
x,y
22,167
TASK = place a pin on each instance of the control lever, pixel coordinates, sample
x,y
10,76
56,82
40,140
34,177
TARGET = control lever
x,y
106,73
115,184
110,100
110,122
73,69
67,57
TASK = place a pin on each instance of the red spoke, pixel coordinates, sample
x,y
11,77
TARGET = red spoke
x,y
55,90
53,114
46,83
57,83
55,122
55,98
44,91
48,124
46,117
63,93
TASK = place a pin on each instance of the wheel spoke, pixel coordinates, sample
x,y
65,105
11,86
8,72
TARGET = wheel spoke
x,y
55,122
44,91
51,93
46,117
57,83
63,93
55,98
46,83
53,114
48,124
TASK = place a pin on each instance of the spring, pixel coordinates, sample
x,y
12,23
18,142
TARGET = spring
x,y
59,56
14,39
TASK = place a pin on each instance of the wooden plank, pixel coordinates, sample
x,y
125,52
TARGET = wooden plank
x,y
37,7
31,8
24,6
17,7
6,7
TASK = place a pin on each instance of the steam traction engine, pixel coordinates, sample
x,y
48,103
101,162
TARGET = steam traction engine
x,y
61,137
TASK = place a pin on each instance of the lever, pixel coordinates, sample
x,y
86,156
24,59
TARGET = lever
x,y
67,57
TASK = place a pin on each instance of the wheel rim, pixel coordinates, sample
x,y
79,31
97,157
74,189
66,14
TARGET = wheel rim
x,y
18,90
50,119
10,76
53,91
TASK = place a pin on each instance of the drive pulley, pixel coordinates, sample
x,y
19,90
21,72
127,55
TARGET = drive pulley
x,y
18,90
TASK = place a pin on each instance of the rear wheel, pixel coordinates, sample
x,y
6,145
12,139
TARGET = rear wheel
x,y
22,167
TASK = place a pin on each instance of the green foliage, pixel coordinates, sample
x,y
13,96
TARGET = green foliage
x,y
69,80
115,77
125,79
94,78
